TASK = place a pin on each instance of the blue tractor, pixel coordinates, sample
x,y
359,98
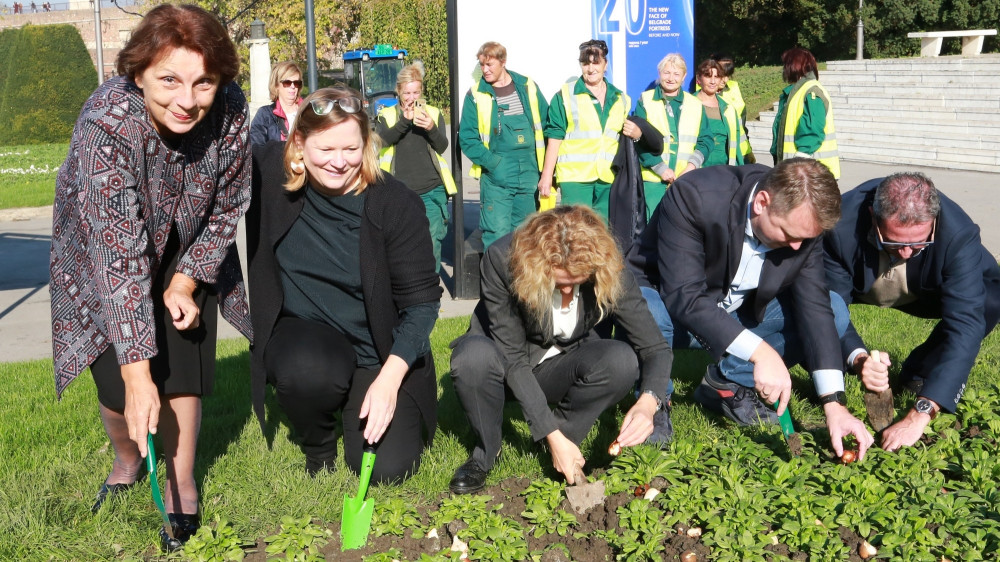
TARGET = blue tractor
x,y
373,73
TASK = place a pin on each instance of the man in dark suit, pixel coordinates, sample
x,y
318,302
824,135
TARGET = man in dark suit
x,y
903,245
733,255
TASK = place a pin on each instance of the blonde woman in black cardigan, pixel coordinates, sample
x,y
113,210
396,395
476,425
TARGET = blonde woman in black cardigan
x,y
344,292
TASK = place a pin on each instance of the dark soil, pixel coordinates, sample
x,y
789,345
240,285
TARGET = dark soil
x,y
582,546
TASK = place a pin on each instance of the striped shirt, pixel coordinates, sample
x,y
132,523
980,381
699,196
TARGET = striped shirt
x,y
507,96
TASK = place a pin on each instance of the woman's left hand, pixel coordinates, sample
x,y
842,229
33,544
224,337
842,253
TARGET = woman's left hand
x,y
638,422
179,299
380,400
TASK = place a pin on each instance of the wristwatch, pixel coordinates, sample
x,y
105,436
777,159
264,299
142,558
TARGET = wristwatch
x,y
659,403
840,397
925,406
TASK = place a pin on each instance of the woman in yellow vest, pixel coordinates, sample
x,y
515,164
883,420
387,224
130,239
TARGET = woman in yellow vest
x,y
804,124
729,143
584,122
501,133
680,117
414,142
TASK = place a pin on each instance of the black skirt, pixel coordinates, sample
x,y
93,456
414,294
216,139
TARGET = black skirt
x,y
186,360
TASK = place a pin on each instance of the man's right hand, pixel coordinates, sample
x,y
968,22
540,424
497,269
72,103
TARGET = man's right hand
x,y
770,376
668,176
142,402
874,373
566,456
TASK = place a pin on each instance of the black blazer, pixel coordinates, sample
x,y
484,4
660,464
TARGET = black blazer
x,y
523,341
953,279
690,252
397,268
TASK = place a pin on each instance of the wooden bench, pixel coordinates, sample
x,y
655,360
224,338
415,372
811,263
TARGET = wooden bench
x,y
972,41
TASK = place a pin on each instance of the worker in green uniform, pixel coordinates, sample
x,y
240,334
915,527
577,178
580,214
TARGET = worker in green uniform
x,y
585,120
680,117
729,143
803,126
501,133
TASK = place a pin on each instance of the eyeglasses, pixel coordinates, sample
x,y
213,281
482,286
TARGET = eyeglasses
x,y
594,43
916,246
322,106
287,83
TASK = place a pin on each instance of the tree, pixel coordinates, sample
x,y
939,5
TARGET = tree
x,y
420,27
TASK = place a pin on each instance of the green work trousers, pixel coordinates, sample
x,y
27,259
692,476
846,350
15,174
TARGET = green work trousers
x,y
654,191
436,206
507,193
595,194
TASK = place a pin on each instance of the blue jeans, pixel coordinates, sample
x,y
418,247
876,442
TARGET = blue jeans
x,y
777,329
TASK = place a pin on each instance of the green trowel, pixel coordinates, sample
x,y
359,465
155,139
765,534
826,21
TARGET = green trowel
x,y
356,519
154,484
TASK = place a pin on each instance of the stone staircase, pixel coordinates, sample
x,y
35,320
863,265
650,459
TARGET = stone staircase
x,y
940,112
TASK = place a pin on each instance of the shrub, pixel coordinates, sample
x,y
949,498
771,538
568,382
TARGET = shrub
x,y
46,74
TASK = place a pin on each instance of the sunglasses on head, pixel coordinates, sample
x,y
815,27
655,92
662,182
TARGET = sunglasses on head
x,y
323,106
594,43
900,245
287,83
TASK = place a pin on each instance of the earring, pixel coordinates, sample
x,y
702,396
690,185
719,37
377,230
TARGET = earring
x,y
297,166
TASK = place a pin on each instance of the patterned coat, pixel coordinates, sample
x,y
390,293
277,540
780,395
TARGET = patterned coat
x,y
118,195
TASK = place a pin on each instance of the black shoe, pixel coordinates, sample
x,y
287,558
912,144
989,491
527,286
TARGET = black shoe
x,y
468,479
736,402
663,427
108,491
184,527
315,465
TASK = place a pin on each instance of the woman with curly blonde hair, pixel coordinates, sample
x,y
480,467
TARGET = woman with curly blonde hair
x,y
543,290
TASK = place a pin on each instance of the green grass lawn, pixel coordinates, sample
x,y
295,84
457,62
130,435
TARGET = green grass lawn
x,y
55,455
28,174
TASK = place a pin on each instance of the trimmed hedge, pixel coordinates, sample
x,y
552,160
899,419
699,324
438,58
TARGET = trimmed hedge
x,y
46,75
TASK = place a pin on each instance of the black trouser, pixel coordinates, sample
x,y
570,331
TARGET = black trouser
x,y
582,383
312,367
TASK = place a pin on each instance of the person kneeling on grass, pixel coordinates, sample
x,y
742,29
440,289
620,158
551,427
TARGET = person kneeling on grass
x,y
343,292
543,289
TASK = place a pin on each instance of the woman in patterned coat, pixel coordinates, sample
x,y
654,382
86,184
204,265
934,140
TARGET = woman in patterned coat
x,y
144,221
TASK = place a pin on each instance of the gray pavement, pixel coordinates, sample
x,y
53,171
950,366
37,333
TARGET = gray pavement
x,y
25,238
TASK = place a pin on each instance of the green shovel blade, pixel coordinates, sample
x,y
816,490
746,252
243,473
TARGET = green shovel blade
x,y
356,518
785,420
154,483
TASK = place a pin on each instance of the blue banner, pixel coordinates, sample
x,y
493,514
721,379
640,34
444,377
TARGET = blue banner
x,y
639,33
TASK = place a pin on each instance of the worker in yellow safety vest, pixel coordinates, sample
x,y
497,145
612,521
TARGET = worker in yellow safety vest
x,y
731,92
803,126
501,133
585,120
414,142
729,142
680,117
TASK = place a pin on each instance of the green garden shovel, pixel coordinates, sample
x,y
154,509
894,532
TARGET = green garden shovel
x,y
794,440
356,519
154,484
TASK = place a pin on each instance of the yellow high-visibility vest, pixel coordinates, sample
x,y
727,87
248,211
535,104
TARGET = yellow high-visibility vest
x,y
739,144
387,155
828,153
688,129
732,95
586,152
